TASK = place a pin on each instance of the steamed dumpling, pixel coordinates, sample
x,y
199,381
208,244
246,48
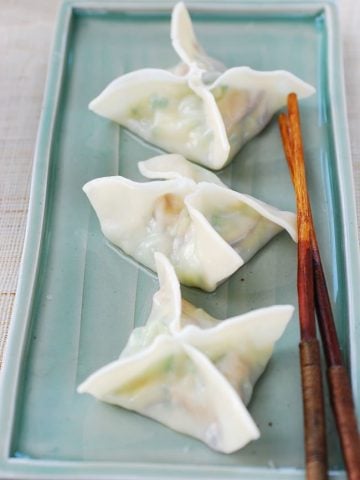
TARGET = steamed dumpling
x,y
190,371
205,229
198,109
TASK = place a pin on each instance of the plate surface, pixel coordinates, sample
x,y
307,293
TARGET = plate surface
x,y
79,298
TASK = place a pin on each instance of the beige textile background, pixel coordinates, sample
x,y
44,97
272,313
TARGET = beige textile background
x,y
26,29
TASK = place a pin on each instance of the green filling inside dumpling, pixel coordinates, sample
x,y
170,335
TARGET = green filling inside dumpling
x,y
172,121
243,228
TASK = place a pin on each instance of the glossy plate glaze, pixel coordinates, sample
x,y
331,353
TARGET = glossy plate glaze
x,y
79,298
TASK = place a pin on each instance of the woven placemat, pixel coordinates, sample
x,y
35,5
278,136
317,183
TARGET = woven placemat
x,y
26,29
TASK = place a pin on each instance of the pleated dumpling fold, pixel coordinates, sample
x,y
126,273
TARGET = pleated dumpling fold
x,y
190,371
198,109
205,229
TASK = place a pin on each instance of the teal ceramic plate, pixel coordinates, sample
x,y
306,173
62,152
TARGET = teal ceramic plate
x,y
79,298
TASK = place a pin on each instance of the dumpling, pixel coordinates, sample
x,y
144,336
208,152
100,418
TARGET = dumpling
x,y
205,229
198,109
190,371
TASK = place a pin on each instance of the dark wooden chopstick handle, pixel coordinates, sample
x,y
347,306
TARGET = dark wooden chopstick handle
x,y
343,406
338,380
314,412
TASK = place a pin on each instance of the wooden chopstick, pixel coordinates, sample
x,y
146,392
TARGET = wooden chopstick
x,y
338,381
310,363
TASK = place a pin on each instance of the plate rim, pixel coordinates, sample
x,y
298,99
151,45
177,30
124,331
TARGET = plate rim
x,y
34,237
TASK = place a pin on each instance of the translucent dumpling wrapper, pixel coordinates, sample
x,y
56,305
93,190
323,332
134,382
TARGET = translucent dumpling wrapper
x,y
198,109
190,371
167,167
205,229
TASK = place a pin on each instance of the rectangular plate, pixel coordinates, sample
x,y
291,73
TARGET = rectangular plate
x,y
78,298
